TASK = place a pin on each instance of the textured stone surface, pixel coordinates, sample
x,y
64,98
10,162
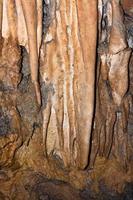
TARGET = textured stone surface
x,y
28,184
10,131
40,147
67,129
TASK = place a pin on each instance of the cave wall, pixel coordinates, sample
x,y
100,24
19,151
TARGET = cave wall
x,y
113,124
86,82
111,128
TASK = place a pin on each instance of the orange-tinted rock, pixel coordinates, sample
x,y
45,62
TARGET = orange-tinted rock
x,y
10,135
127,5
64,142
69,66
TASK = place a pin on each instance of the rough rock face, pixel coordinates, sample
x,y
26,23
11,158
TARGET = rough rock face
x,y
10,131
111,133
82,135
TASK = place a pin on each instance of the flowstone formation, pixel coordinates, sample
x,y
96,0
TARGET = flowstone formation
x,y
66,99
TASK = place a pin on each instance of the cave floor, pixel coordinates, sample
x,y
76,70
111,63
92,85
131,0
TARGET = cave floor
x,y
27,184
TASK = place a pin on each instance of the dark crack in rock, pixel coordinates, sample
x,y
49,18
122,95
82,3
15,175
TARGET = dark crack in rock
x,y
49,190
128,192
46,91
25,71
3,176
106,194
128,21
5,88
5,123
48,13
26,99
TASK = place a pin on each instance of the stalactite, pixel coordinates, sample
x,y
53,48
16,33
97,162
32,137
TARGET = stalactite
x,y
74,84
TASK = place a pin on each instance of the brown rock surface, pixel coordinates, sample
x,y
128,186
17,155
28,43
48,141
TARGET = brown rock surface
x,y
79,145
